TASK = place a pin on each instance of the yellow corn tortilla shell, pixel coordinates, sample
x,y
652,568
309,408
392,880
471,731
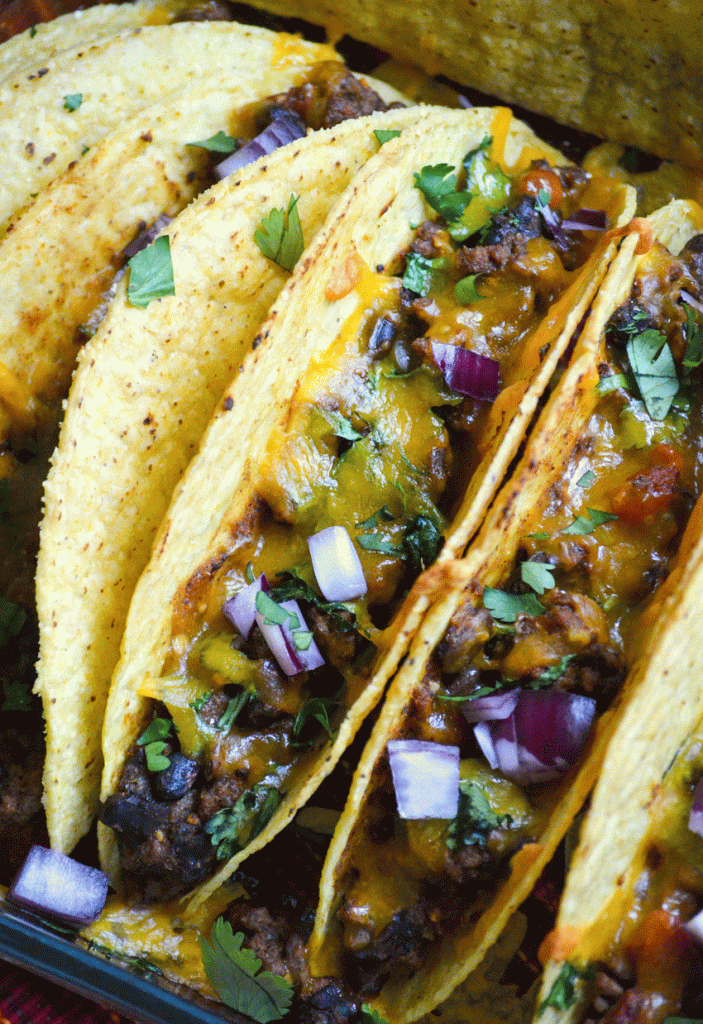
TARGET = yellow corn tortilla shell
x,y
144,390
651,729
371,222
626,71
81,27
118,77
57,261
667,643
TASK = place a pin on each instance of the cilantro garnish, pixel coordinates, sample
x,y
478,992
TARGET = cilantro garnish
x,y
32,31
227,828
370,1016
17,697
421,543
537,575
341,425
280,236
138,964
151,273
235,974
587,479
273,613
475,817
152,739
693,356
563,994
613,382
587,524
437,182
420,271
12,618
552,674
317,709
652,364
292,588
73,101
465,290
384,135
219,143
506,607
227,720
384,514
199,703
538,536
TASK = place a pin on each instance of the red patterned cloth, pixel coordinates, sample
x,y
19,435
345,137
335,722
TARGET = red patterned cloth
x,y
25,999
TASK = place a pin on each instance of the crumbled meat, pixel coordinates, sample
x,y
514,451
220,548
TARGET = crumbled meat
x,y
338,647
468,630
272,939
430,240
400,944
519,222
487,259
331,96
329,1003
21,764
691,256
628,319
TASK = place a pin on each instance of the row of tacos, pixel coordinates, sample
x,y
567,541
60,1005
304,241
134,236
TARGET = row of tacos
x,y
452,456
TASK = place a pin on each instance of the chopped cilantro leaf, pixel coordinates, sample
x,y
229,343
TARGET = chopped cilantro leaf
x,y
693,356
537,575
506,607
138,964
273,613
227,720
437,182
156,759
317,709
228,828
372,542
33,31
420,271
563,994
17,697
199,703
422,542
370,1016
219,143
587,524
587,479
12,618
652,364
151,273
383,514
384,135
280,236
160,729
538,536
465,290
553,673
292,588
475,817
73,101
235,974
302,638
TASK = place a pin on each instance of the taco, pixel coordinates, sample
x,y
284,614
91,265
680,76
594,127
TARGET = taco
x,y
634,951
140,400
54,112
331,424
518,677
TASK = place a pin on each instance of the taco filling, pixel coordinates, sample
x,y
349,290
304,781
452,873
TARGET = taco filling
x,y
273,643
511,692
649,966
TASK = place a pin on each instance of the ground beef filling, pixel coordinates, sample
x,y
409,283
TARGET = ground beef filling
x,y
331,95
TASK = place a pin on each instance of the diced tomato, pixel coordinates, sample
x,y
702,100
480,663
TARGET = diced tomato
x,y
651,491
663,954
540,179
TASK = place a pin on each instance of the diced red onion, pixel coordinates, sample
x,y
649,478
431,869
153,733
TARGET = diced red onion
x,y
467,372
552,221
285,128
463,102
425,778
58,886
492,707
282,645
542,738
695,817
694,927
585,220
147,236
336,564
690,301
241,609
